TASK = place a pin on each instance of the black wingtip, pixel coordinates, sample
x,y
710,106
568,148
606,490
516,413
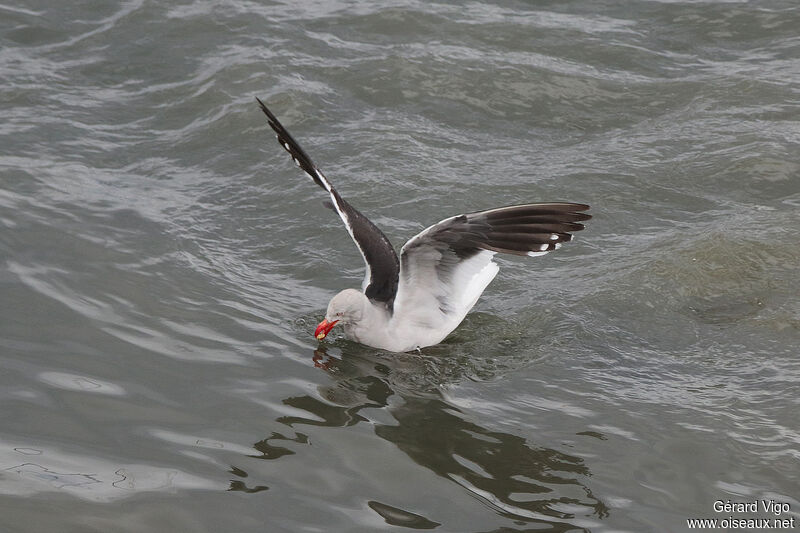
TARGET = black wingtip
x,y
528,229
539,212
288,143
583,207
266,111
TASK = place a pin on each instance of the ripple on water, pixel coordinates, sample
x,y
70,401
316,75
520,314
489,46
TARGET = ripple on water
x,y
152,230
67,381
34,470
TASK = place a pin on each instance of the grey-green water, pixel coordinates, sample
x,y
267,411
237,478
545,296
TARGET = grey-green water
x,y
162,265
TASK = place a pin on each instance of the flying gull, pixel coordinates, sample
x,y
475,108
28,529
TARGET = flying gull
x,y
416,301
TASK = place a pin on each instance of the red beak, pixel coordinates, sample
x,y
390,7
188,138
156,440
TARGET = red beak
x,y
324,328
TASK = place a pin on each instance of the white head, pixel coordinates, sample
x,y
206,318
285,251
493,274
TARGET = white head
x,y
347,307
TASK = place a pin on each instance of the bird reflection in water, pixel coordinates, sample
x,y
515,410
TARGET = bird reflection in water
x,y
529,484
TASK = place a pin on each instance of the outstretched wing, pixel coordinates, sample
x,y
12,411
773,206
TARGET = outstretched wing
x,y
383,268
445,268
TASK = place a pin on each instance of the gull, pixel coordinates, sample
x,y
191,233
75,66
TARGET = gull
x,y
418,299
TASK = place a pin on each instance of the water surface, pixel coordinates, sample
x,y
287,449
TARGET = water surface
x,y
163,265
